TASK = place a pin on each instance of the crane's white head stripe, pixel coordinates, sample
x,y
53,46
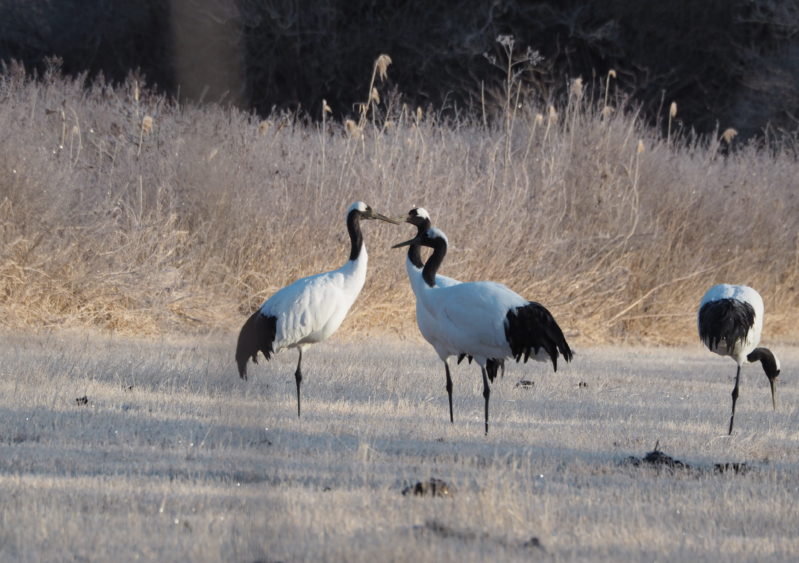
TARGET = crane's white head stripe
x,y
420,212
357,206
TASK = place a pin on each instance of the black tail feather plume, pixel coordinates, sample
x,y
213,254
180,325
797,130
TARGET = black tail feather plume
x,y
492,367
725,319
531,328
257,334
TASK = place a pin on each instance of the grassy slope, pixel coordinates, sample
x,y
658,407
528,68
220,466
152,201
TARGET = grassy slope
x,y
193,464
190,225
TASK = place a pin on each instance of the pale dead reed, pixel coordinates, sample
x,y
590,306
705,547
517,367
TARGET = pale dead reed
x,y
190,225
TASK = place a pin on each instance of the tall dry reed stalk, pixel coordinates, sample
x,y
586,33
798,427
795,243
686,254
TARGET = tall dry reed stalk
x,y
188,223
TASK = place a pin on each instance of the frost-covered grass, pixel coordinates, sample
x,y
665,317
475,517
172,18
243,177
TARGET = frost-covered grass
x,y
174,458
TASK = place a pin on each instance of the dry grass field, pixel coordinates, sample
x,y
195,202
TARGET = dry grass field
x,y
174,458
136,234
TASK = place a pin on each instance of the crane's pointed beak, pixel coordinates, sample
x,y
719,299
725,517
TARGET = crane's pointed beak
x,y
414,240
382,217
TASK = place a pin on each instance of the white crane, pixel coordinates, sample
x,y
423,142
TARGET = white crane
x,y
730,322
420,218
485,320
310,309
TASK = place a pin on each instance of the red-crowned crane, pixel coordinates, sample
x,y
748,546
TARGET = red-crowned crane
x,y
420,218
485,320
730,322
310,309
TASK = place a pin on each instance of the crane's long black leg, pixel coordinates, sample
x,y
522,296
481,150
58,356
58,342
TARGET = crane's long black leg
x,y
449,391
486,394
298,379
734,396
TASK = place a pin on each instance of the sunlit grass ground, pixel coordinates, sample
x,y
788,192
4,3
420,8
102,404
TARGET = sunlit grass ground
x,y
174,458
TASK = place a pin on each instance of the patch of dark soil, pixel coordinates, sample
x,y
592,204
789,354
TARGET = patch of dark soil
x,y
430,488
659,459
583,384
533,542
525,384
22,438
82,400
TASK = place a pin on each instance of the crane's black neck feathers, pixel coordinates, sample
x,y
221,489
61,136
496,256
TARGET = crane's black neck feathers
x,y
257,334
766,359
439,246
726,319
415,250
532,327
356,237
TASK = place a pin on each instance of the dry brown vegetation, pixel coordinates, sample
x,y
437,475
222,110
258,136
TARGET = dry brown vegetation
x,y
122,210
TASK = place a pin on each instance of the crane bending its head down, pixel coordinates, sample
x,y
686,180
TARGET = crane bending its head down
x,y
730,322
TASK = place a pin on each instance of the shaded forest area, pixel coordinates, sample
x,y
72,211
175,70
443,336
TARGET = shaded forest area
x,y
727,63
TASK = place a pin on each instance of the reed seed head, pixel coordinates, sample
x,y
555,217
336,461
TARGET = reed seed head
x,y
553,114
611,73
419,114
506,41
352,129
147,124
264,126
640,148
577,87
381,64
673,110
539,119
374,96
607,111
728,135
325,107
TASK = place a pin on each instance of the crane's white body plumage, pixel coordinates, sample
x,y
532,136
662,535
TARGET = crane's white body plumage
x,y
312,308
471,318
424,318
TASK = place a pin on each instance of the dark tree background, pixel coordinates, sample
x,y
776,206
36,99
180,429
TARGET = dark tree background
x,y
727,63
